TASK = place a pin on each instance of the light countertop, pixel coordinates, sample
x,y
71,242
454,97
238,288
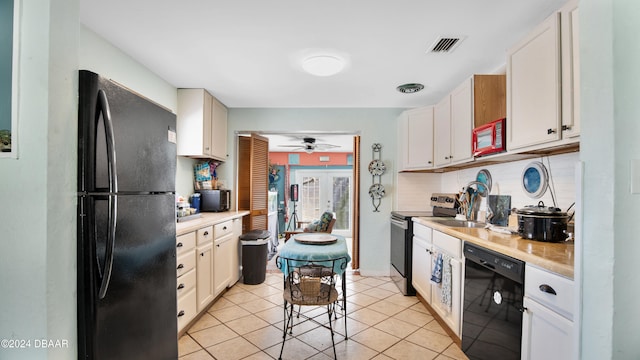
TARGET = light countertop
x,y
207,219
554,257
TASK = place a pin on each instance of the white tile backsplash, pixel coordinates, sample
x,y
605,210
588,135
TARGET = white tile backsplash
x,y
414,189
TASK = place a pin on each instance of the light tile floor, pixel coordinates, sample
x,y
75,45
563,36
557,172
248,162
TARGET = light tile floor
x,y
246,323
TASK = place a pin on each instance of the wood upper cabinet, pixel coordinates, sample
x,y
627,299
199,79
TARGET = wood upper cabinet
x,y
489,98
415,139
201,125
253,181
533,87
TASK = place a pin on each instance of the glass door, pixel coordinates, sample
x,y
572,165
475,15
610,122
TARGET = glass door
x,y
322,191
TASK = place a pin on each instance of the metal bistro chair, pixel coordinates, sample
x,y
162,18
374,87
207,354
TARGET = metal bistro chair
x,y
310,283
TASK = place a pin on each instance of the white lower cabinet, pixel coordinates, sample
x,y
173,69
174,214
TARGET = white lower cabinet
x,y
421,261
545,334
236,251
186,278
547,326
204,275
427,244
451,314
222,255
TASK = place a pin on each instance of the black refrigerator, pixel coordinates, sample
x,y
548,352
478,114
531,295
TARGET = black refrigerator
x,y
126,224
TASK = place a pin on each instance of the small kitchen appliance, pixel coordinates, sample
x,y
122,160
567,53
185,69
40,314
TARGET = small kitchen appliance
x,y
538,222
490,138
214,200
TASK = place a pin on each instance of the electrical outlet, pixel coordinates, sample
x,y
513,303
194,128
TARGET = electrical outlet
x,y
635,176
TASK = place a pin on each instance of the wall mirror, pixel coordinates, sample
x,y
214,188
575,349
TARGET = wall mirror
x,y
9,43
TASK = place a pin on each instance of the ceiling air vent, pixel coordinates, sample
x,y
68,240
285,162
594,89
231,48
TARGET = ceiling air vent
x,y
445,44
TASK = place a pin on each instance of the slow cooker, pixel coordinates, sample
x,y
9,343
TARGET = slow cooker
x,y
542,223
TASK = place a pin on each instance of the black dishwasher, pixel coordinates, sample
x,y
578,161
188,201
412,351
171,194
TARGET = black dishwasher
x,y
492,311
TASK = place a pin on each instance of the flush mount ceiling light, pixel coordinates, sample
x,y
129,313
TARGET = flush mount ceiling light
x,y
323,65
410,88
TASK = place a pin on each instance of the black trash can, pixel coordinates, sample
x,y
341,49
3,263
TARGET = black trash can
x,y
254,256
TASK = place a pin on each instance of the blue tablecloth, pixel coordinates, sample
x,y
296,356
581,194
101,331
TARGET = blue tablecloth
x,y
305,252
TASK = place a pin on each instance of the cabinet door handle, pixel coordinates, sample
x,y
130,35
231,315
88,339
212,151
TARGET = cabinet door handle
x,y
551,131
181,286
180,266
201,254
179,244
224,228
181,313
206,233
566,127
428,162
548,289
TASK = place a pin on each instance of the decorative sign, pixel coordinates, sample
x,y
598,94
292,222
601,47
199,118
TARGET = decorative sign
x,y
376,168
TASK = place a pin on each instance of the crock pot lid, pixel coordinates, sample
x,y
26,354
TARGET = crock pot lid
x,y
540,209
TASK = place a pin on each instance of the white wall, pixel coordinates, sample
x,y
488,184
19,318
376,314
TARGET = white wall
x,y
100,56
374,126
610,54
37,245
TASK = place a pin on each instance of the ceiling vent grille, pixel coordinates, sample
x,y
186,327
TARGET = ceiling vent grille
x,y
445,44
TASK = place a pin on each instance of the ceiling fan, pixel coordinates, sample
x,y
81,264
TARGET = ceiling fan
x,y
309,145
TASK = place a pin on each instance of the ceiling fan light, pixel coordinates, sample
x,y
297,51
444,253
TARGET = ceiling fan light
x,y
323,65
308,150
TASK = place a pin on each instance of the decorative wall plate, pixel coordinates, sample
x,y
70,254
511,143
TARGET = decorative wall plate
x,y
376,191
535,180
377,167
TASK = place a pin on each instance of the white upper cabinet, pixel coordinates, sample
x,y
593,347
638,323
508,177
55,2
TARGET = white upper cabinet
x,y
442,132
533,87
570,30
415,139
201,125
478,100
543,83
462,122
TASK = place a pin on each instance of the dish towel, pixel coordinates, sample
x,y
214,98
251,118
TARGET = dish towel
x,y
436,274
445,291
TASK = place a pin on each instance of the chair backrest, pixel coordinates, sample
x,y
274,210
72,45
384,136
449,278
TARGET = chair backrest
x,y
324,224
310,282
330,227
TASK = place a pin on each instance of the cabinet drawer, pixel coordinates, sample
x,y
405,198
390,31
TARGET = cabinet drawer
x,y
186,308
422,232
205,235
186,282
540,285
185,242
185,262
222,229
449,244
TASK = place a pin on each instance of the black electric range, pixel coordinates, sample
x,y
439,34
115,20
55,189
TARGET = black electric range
x,y
402,238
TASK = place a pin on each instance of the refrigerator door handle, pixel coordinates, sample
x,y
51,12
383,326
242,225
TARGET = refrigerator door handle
x,y
110,245
103,108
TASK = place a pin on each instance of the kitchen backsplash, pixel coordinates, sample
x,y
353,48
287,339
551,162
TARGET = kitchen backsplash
x,y
414,189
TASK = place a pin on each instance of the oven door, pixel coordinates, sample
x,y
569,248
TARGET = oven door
x,y
401,254
399,228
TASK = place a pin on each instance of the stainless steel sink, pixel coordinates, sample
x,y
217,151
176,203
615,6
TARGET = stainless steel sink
x,y
460,223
